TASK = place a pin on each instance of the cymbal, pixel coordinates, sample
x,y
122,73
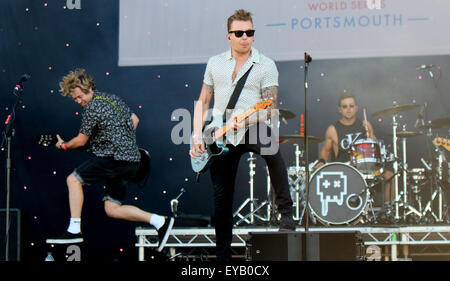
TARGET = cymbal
x,y
298,139
442,122
437,123
286,114
407,134
429,126
394,109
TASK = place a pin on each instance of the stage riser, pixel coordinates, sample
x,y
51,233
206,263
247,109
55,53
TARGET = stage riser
x,y
294,246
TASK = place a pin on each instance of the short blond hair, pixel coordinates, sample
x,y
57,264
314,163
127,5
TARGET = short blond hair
x,y
241,15
77,78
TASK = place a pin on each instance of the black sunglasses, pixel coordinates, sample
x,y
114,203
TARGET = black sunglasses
x,y
239,33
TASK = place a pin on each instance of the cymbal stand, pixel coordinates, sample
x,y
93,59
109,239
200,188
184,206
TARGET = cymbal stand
x,y
407,208
438,192
250,217
298,154
405,167
394,144
271,210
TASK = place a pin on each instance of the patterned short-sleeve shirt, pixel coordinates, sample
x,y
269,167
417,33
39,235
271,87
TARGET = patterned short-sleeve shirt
x,y
218,74
110,133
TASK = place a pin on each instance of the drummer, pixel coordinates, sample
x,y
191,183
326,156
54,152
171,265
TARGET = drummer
x,y
341,135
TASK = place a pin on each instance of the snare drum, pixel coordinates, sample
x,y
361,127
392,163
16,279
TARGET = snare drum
x,y
338,194
366,155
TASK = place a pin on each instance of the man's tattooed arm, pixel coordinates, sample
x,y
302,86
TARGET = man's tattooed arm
x,y
268,93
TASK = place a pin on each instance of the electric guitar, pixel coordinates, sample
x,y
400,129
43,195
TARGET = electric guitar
x,y
144,166
441,141
213,135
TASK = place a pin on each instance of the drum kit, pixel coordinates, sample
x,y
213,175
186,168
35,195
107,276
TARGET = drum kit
x,y
344,193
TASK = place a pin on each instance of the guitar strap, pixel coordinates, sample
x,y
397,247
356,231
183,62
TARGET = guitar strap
x,y
236,93
115,107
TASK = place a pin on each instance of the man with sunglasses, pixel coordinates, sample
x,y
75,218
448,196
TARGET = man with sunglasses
x,y
221,76
341,135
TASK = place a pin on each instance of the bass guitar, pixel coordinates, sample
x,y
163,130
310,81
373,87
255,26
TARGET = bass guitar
x,y
144,165
213,134
441,141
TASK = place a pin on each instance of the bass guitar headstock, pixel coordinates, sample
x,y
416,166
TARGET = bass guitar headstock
x,y
46,140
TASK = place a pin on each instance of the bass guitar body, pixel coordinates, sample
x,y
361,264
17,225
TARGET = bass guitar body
x,y
213,149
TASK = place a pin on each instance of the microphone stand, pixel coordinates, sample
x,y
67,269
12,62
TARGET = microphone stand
x,y
8,133
307,61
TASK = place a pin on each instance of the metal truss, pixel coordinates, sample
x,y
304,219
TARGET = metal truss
x,y
205,237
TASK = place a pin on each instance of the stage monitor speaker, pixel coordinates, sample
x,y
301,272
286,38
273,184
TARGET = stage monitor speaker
x,y
333,246
275,246
14,241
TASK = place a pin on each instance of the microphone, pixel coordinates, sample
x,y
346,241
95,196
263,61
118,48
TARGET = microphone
x,y
174,203
174,206
419,120
23,78
308,58
424,66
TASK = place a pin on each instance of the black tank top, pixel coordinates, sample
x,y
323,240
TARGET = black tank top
x,y
347,135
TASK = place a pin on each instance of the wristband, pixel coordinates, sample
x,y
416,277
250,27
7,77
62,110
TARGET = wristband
x,y
63,146
322,160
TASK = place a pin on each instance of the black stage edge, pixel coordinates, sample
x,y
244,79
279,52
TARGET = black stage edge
x,y
295,246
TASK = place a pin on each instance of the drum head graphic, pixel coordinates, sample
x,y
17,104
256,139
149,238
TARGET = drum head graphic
x,y
337,193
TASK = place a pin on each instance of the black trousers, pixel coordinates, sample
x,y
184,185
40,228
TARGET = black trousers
x,y
223,174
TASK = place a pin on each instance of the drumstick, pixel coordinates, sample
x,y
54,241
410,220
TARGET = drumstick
x,y
365,123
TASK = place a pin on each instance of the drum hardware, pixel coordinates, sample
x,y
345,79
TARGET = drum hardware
x,y
299,174
298,154
251,201
296,140
299,139
297,183
407,134
401,201
419,179
285,115
394,110
298,186
437,173
409,208
437,123
370,203
437,190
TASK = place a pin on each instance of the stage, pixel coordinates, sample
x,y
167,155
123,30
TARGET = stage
x,y
393,236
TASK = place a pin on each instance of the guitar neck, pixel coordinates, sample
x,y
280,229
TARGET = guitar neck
x,y
219,133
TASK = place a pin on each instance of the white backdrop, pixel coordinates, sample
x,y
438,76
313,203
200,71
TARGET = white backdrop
x,y
159,32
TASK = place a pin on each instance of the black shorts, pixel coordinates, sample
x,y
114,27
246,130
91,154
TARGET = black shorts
x,y
115,174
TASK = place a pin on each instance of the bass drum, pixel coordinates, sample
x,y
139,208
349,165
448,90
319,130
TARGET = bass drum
x,y
338,194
